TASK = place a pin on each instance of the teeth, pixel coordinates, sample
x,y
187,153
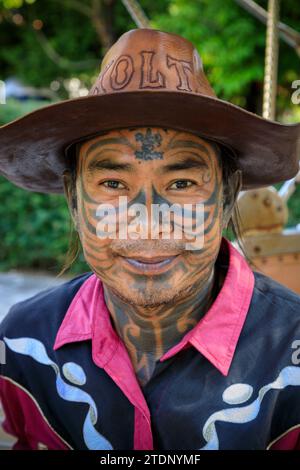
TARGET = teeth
x,y
150,261
136,262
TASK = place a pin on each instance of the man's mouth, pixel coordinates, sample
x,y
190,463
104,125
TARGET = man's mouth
x,y
155,264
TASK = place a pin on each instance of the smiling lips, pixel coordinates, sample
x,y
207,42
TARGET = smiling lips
x,y
151,265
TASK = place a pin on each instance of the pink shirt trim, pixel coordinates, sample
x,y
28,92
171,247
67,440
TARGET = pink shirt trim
x,y
23,419
290,441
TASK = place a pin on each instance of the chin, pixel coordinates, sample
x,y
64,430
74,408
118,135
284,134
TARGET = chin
x,y
152,297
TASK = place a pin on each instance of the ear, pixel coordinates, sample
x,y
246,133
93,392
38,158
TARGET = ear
x,y
70,194
230,194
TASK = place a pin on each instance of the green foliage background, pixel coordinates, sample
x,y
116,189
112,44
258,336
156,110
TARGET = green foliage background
x,y
34,227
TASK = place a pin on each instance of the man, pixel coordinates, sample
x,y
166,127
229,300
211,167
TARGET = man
x,y
171,341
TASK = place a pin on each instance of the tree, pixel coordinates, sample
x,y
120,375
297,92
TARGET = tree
x,y
60,39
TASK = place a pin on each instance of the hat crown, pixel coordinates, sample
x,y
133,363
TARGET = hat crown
x,y
148,59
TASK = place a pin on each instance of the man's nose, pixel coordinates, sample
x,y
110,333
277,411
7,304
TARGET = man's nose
x,y
152,223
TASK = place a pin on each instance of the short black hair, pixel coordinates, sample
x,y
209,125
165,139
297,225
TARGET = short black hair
x,y
71,160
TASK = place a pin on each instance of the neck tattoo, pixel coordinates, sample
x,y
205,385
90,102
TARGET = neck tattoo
x,y
148,333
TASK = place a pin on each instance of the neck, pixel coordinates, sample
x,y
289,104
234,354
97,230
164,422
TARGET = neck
x,y
150,332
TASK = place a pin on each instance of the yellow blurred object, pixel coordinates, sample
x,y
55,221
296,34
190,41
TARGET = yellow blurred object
x,y
269,247
263,210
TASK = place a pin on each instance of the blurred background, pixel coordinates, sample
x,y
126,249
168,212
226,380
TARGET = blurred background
x,y
51,50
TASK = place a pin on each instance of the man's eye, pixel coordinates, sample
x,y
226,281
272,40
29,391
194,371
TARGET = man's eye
x,y
113,184
181,184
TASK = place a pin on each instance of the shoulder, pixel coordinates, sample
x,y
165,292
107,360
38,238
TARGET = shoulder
x,y
270,291
274,308
45,308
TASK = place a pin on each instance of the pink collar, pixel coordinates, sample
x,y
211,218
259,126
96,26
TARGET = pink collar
x,y
215,336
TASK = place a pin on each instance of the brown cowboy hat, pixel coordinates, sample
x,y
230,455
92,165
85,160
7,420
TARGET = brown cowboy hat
x,y
148,77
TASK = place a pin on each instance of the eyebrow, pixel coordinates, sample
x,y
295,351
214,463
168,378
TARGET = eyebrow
x,y
108,164
186,163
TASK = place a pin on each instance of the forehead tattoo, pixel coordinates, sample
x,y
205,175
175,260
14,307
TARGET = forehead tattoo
x,y
149,142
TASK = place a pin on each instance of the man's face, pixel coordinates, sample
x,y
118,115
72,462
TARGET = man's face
x,y
149,166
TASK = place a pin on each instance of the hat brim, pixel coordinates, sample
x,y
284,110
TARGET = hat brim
x,y
32,147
